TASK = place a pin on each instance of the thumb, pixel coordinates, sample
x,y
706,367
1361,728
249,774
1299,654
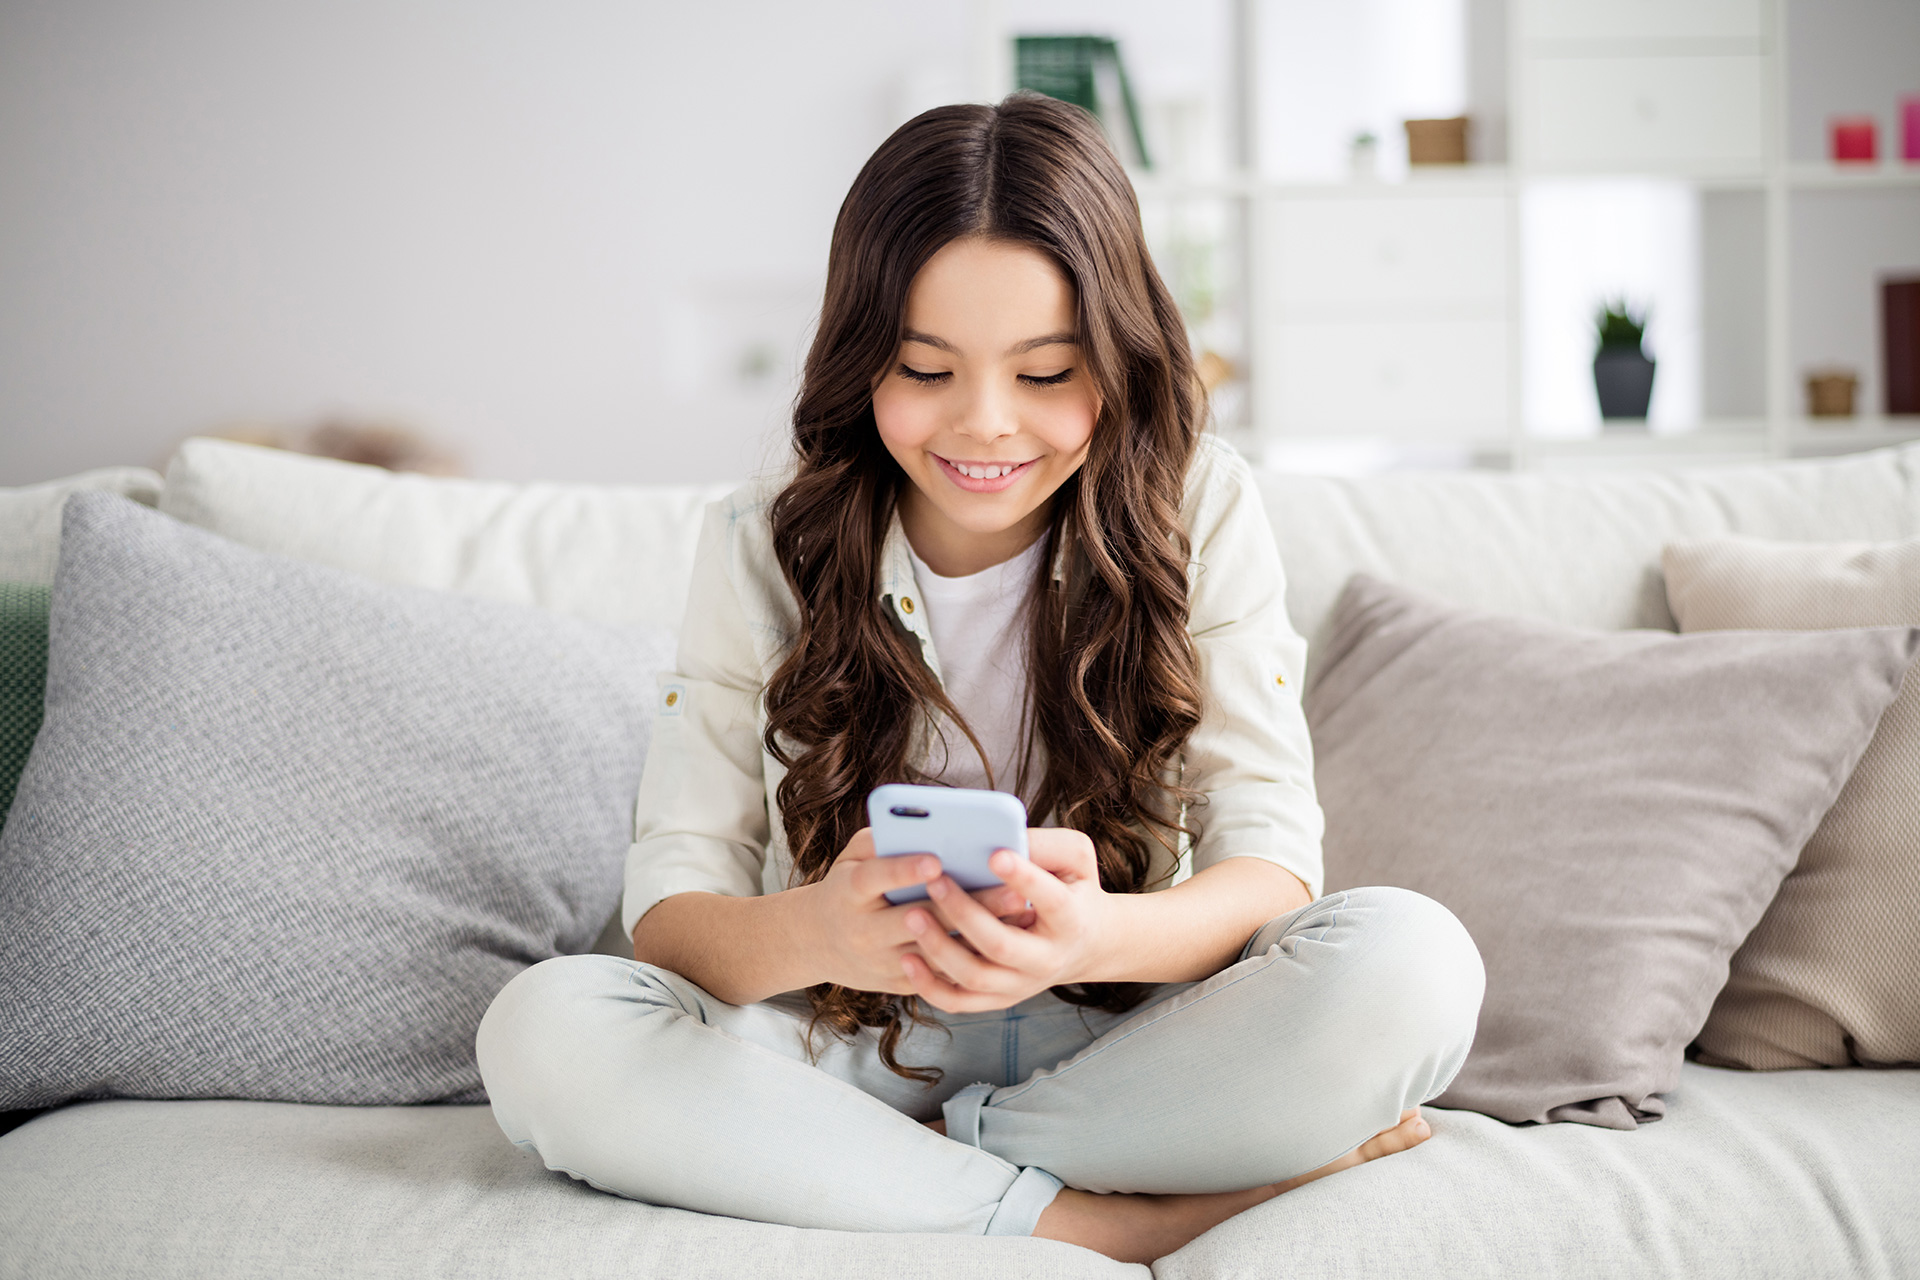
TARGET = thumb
x,y
859,847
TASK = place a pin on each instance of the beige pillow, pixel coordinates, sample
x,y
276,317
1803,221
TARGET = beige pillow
x,y
1831,975
1607,812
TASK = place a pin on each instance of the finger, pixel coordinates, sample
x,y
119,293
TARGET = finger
x,y
896,985
961,965
1066,853
877,875
1037,885
942,994
1010,948
1001,900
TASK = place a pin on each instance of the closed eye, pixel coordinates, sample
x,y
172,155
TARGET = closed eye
x,y
921,376
1047,380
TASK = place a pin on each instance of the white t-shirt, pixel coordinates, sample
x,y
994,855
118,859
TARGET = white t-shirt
x,y
979,626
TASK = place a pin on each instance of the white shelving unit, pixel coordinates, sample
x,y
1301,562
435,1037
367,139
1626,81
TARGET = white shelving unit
x,y
1393,311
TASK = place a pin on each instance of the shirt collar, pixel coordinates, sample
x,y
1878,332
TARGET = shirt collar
x,y
896,564
899,589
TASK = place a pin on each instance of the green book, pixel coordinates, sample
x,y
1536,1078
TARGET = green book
x,y
1086,71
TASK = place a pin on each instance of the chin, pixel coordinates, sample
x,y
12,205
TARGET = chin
x,y
989,521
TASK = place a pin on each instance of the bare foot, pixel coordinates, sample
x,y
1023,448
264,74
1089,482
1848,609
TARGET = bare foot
x,y
1144,1228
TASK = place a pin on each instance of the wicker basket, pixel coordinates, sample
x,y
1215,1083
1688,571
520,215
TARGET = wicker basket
x,y
1437,141
1830,393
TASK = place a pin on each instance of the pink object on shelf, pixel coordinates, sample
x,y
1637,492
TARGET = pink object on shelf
x,y
1855,138
1910,127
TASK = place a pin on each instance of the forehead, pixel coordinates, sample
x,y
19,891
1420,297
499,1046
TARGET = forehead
x,y
988,290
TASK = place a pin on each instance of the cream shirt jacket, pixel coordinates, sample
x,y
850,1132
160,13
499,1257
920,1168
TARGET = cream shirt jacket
x,y
707,820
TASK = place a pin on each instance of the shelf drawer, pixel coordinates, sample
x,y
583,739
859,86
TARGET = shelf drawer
x,y
1408,379
1333,257
1644,20
1654,113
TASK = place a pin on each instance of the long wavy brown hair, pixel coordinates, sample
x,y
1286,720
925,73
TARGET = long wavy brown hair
x,y
1115,688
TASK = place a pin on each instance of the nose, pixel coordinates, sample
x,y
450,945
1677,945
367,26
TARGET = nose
x,y
987,415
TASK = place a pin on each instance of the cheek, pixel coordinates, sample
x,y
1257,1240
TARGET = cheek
x,y
1067,427
905,421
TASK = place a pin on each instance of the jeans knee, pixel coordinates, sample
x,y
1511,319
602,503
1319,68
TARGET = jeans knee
x,y
1423,972
541,1027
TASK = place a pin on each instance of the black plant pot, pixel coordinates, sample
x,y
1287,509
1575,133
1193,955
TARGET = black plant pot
x,y
1624,378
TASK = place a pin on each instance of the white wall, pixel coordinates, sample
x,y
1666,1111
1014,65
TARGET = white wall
x,y
580,239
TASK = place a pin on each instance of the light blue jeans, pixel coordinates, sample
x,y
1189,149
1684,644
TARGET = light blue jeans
x,y
1336,1018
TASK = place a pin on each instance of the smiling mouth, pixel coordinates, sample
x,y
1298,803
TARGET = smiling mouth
x,y
983,477
985,470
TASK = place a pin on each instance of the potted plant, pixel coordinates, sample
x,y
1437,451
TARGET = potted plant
x,y
1622,372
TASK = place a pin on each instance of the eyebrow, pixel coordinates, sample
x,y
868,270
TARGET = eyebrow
x,y
1019,348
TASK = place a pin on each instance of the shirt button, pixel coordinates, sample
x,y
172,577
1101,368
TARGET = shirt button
x,y
673,698
1281,681
906,604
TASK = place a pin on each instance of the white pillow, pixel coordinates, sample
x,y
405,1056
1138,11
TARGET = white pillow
x,y
30,517
616,554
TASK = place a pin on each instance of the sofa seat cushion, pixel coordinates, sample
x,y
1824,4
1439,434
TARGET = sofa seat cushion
x,y
246,1189
1785,1174
1788,1174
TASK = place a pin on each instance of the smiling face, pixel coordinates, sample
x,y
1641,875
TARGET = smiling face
x,y
987,406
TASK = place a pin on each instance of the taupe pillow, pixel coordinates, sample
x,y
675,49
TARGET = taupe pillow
x,y
1831,975
1608,813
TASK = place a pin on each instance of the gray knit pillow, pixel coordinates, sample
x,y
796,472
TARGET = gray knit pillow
x,y
1607,812
285,831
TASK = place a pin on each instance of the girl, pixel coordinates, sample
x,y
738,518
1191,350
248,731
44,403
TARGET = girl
x,y
1005,557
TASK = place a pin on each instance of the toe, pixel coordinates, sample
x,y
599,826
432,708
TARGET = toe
x,y
1410,1132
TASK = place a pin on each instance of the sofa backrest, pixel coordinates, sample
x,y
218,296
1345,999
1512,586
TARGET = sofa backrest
x,y
30,518
618,554
1582,549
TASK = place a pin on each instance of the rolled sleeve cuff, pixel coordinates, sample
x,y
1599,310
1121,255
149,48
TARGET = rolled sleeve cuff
x,y
653,874
1283,849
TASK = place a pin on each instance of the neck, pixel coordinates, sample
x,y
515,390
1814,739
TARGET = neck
x,y
954,552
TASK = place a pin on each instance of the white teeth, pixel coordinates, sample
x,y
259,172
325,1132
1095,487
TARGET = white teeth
x,y
990,472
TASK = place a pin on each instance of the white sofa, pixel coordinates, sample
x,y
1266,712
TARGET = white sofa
x,y
1780,1174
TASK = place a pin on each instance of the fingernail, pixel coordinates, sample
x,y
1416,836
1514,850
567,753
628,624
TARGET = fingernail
x,y
929,868
938,888
1420,1125
917,922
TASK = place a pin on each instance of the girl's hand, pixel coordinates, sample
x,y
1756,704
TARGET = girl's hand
x,y
857,935
1000,964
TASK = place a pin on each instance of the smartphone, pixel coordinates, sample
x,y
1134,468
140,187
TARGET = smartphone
x,y
959,826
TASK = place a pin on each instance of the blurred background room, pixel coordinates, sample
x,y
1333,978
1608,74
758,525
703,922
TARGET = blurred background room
x,y
584,241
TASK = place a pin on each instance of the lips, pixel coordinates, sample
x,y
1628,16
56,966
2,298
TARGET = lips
x,y
982,484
